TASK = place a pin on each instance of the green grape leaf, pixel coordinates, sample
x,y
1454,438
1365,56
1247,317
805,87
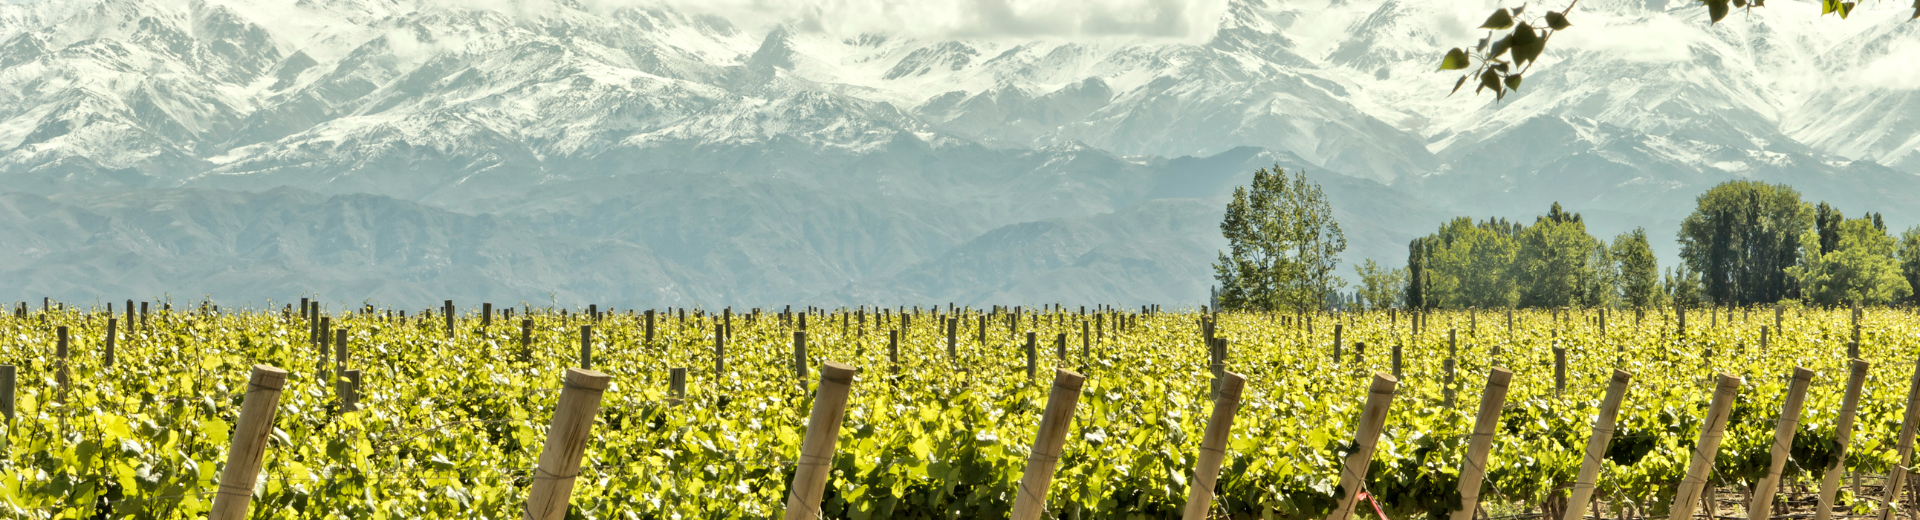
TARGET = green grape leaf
x,y
1717,10
1513,82
1457,84
1527,44
1499,21
1846,8
1456,59
1557,21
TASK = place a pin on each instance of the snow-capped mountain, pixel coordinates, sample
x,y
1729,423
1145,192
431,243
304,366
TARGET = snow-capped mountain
x,y
743,162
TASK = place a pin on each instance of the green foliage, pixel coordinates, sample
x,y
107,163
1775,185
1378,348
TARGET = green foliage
x,y
1469,264
1910,259
452,426
1860,269
1505,58
1552,264
1639,270
1284,245
1682,287
1741,238
1380,288
1495,264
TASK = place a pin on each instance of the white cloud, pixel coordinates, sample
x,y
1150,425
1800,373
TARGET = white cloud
x,y
1895,70
1167,19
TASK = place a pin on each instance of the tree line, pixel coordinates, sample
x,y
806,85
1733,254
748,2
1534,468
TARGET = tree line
x,y
1746,243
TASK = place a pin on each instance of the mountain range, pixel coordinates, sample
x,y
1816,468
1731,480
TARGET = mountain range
x,y
402,152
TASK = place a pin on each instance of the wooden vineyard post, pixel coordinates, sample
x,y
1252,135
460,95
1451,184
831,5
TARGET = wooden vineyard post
x,y
1680,313
1712,431
1559,370
1763,339
1032,356
1086,343
486,315
649,339
60,357
893,350
448,310
676,385
953,349
526,339
800,359
1396,360
1473,471
1060,347
1031,501
106,360
719,350
348,390
1603,426
566,443
1337,341
340,350
1903,451
1843,437
816,452
1373,419
248,446
586,347
1213,445
7,373
1782,443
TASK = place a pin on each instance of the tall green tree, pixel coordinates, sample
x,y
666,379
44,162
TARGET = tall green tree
x,y
1553,261
1682,287
1380,288
1639,281
1284,245
1860,269
1826,221
1910,259
1416,293
1741,238
1470,264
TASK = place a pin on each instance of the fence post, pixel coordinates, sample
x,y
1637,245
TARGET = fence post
x,y
60,355
1897,475
1603,427
1843,437
449,312
676,384
816,452
248,446
1213,445
566,443
1782,443
1032,356
1047,443
6,394
586,347
486,315
1373,419
526,339
649,326
1338,339
1473,471
800,358
340,351
348,390
719,350
112,331
1559,370
953,327
893,350
1712,431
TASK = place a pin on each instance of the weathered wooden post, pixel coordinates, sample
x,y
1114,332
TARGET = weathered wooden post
x,y
676,384
1712,431
1031,501
800,359
1373,419
526,339
719,350
248,446
60,357
566,442
1843,437
649,326
893,350
1559,370
1213,445
7,373
106,360
1603,427
953,329
1903,450
1473,471
348,390
448,310
586,347
1032,356
1782,444
816,452
340,350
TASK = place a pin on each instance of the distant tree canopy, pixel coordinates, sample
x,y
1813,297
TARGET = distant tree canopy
x,y
1741,239
1284,245
1515,40
1551,263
